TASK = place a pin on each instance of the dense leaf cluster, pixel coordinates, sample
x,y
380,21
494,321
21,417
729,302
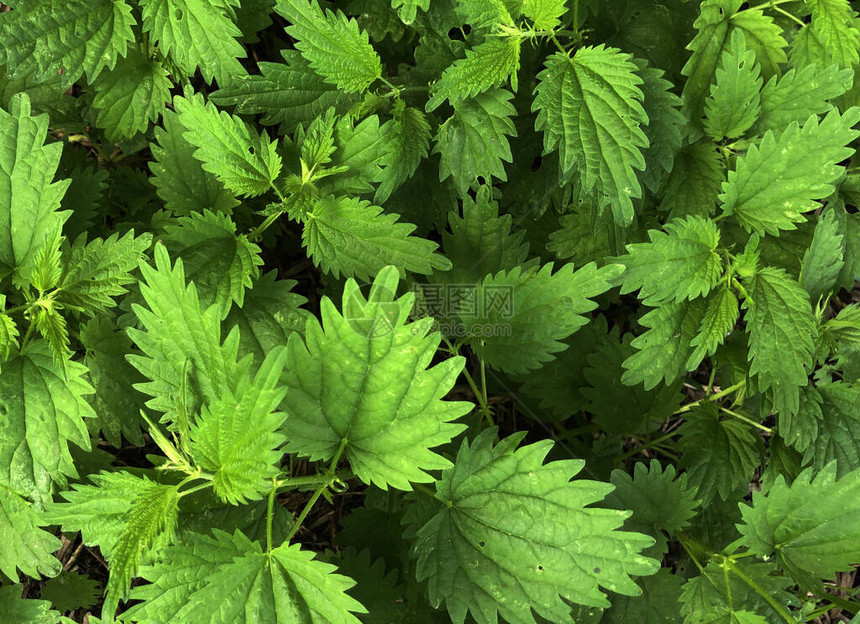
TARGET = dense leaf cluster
x,y
563,291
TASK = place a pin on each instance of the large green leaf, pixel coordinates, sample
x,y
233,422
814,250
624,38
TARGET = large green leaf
x,y
25,546
360,382
513,534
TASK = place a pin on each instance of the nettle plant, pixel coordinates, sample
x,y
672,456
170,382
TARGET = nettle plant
x,y
429,311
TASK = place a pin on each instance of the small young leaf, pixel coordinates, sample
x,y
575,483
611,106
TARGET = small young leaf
x,y
734,103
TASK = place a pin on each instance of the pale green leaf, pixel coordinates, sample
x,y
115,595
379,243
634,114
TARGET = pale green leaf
x,y
46,266
236,436
589,107
513,534
52,326
361,379
545,14
473,142
807,526
243,160
349,236
150,521
664,129
284,586
44,410
197,33
778,180
334,45
131,95
408,9
680,263
44,39
25,546
179,338
781,330
831,37
30,201
798,94
96,272
8,336
735,101
487,66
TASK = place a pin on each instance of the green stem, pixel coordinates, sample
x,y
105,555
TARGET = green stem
x,y
746,419
768,5
712,397
481,397
781,610
293,483
270,514
319,491
196,488
689,552
790,16
646,445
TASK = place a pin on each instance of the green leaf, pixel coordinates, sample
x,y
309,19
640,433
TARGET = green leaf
x,y
717,20
44,410
692,187
781,330
831,37
21,611
179,178
734,103
798,94
488,552
345,375
283,586
719,320
236,437
243,160
719,456
807,526
473,142
288,93
269,314
757,191
663,351
150,521
197,33
680,263
66,38
719,596
823,260
334,46
52,326
178,336
834,431
486,66
665,124
25,546
408,9
29,205
221,263
658,500
96,272
546,14
8,336
115,400
361,150
131,95
517,319
71,590
589,107
350,236
480,242
46,269
408,134
98,511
